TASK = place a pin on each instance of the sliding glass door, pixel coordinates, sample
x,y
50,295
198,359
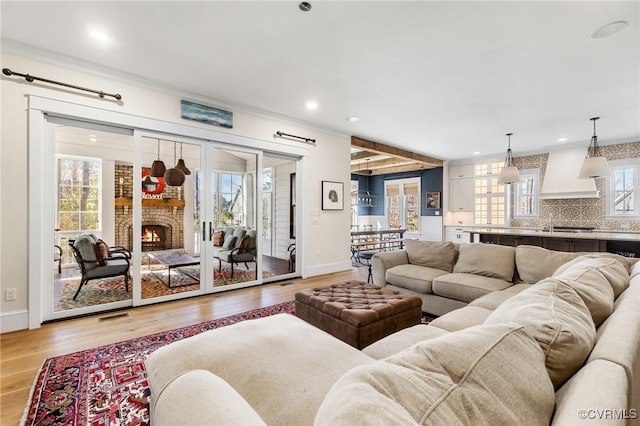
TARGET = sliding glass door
x,y
166,231
86,162
129,217
234,210
279,216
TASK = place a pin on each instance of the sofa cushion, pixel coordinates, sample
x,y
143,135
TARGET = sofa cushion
x,y
229,242
431,254
617,339
586,278
554,314
600,386
266,360
462,318
489,260
400,340
615,269
102,252
218,238
536,263
466,287
413,277
239,233
447,380
496,298
191,393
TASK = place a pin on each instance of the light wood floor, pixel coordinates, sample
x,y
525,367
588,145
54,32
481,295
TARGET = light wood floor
x,y
23,352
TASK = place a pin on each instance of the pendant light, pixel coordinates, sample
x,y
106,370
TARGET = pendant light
x,y
594,165
181,164
158,168
509,173
174,176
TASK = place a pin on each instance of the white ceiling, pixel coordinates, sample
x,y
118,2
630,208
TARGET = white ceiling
x,y
443,79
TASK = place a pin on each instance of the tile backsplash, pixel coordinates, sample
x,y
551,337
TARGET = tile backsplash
x,y
581,212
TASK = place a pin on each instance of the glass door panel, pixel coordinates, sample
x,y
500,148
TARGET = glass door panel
x,y
235,211
169,232
278,216
86,189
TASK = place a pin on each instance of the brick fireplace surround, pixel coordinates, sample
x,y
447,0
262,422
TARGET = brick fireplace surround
x,y
170,217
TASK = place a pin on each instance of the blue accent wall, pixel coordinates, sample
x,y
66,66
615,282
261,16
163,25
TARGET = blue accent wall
x,y
430,181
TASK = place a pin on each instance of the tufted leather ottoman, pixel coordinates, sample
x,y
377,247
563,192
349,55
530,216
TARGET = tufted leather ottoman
x,y
356,312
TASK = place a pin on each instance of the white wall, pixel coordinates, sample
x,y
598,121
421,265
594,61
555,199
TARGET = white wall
x,y
326,234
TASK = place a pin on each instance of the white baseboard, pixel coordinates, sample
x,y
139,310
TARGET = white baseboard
x,y
313,271
14,321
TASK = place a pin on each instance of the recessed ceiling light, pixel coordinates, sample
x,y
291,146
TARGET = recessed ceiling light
x,y
563,139
305,6
99,35
353,119
608,29
311,105
476,153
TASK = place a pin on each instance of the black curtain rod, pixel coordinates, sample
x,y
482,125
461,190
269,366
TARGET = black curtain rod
x,y
31,78
307,140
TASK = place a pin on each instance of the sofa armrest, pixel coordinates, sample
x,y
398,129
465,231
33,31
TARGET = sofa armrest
x,y
380,262
199,397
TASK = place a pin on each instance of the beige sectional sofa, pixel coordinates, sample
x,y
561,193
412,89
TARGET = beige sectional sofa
x,y
565,350
448,276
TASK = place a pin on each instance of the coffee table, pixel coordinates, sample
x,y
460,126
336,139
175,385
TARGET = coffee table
x,y
174,260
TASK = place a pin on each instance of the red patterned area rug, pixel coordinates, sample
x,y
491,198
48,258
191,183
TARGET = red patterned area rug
x,y
108,385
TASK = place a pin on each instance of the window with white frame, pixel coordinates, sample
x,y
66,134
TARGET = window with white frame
x,y
354,204
527,194
490,197
228,198
623,196
79,190
403,204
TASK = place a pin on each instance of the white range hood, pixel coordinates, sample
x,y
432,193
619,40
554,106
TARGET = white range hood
x,y
561,177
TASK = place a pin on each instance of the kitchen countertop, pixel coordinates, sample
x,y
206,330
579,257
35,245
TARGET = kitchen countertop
x,y
592,235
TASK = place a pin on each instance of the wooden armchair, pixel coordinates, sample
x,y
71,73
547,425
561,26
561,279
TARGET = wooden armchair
x,y
115,263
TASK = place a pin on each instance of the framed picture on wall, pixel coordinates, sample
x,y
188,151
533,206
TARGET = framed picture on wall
x,y
433,200
332,195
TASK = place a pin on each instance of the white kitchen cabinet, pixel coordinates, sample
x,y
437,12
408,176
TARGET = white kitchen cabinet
x,y
456,234
461,196
463,171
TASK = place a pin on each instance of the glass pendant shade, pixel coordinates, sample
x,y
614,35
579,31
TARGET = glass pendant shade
x,y
158,168
594,164
594,167
509,173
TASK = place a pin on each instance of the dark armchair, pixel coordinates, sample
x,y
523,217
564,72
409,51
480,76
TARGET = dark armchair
x,y
113,264
244,249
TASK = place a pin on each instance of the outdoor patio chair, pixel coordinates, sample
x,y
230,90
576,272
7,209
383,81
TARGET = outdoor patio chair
x,y
114,264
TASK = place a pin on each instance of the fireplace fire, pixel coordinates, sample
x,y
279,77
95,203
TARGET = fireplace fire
x,y
156,237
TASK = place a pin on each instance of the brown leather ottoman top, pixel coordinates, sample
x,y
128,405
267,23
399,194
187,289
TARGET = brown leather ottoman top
x,y
357,303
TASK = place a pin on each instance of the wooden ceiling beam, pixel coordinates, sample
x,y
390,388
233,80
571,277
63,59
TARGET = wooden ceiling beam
x,y
362,155
397,169
372,165
382,149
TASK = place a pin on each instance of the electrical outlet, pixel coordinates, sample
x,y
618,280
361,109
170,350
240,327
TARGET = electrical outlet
x,y
10,294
